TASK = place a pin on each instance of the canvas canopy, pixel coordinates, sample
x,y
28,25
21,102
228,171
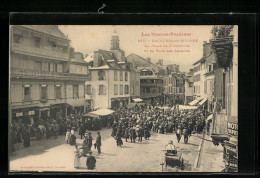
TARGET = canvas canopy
x,y
137,100
195,101
100,112
187,107
203,101
210,117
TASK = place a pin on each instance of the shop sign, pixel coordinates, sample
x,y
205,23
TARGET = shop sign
x,y
31,113
19,114
233,129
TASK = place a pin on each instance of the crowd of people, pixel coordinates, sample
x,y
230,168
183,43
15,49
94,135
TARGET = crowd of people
x,y
139,121
132,124
23,129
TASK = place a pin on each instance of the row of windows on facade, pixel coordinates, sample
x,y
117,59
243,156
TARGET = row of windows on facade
x,y
176,90
150,81
210,67
44,93
17,38
102,75
102,90
206,89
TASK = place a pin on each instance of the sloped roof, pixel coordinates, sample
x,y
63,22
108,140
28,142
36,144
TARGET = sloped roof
x,y
139,58
48,29
147,68
77,60
89,58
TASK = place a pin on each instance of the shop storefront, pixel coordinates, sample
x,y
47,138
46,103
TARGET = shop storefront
x,y
27,114
119,102
75,106
58,110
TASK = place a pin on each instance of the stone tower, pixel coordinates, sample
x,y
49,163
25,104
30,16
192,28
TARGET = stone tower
x,y
115,41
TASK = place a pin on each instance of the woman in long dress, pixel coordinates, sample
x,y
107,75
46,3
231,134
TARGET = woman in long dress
x,y
77,157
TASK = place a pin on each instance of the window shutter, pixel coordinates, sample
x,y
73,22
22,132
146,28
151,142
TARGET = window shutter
x,y
104,90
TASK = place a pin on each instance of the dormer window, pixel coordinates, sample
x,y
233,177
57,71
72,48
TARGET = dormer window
x,y
101,75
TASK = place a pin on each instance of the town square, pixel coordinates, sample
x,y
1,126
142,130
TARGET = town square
x,y
123,98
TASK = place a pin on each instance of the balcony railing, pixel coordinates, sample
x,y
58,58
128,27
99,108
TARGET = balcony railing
x,y
152,84
27,73
48,52
15,72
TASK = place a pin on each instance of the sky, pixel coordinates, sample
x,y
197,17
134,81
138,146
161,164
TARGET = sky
x,y
89,38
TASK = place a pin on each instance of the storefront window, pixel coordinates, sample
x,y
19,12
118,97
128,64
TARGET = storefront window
x,y
58,91
126,89
126,76
115,75
121,89
115,89
121,76
75,91
27,93
44,92
88,90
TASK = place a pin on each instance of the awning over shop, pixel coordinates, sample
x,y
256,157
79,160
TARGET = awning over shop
x,y
193,102
210,117
165,107
187,107
76,103
102,112
25,106
203,101
137,100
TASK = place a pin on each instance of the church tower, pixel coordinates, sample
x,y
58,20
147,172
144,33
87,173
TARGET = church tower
x,y
115,41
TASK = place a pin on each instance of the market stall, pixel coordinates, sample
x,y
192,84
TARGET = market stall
x,y
97,119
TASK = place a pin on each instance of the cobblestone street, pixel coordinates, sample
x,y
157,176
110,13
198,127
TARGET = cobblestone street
x,y
146,156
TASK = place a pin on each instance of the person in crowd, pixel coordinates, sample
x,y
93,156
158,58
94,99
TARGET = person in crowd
x,y
185,135
68,135
72,139
140,134
91,161
132,134
119,141
77,157
81,130
98,142
126,134
26,136
85,145
89,139
178,134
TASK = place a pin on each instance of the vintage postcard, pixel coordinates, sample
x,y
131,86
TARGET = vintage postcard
x,y
123,98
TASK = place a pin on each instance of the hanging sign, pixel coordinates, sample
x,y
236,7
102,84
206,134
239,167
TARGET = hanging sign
x,y
31,113
19,114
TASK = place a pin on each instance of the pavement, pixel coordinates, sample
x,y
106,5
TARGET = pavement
x,y
212,157
146,156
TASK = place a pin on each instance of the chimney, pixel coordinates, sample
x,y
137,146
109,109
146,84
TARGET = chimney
x,y
148,59
71,52
160,62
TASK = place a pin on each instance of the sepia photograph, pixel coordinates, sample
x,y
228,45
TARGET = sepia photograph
x,y
123,98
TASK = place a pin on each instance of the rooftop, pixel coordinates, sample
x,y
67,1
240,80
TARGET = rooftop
x,y
47,29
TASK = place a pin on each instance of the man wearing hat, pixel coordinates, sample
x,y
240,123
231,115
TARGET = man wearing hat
x,y
89,138
98,142
91,161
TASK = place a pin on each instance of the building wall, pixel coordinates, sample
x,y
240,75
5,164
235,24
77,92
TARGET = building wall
x,y
78,69
134,84
17,92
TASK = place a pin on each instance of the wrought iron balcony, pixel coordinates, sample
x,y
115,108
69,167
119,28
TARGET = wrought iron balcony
x,y
43,51
27,73
151,84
